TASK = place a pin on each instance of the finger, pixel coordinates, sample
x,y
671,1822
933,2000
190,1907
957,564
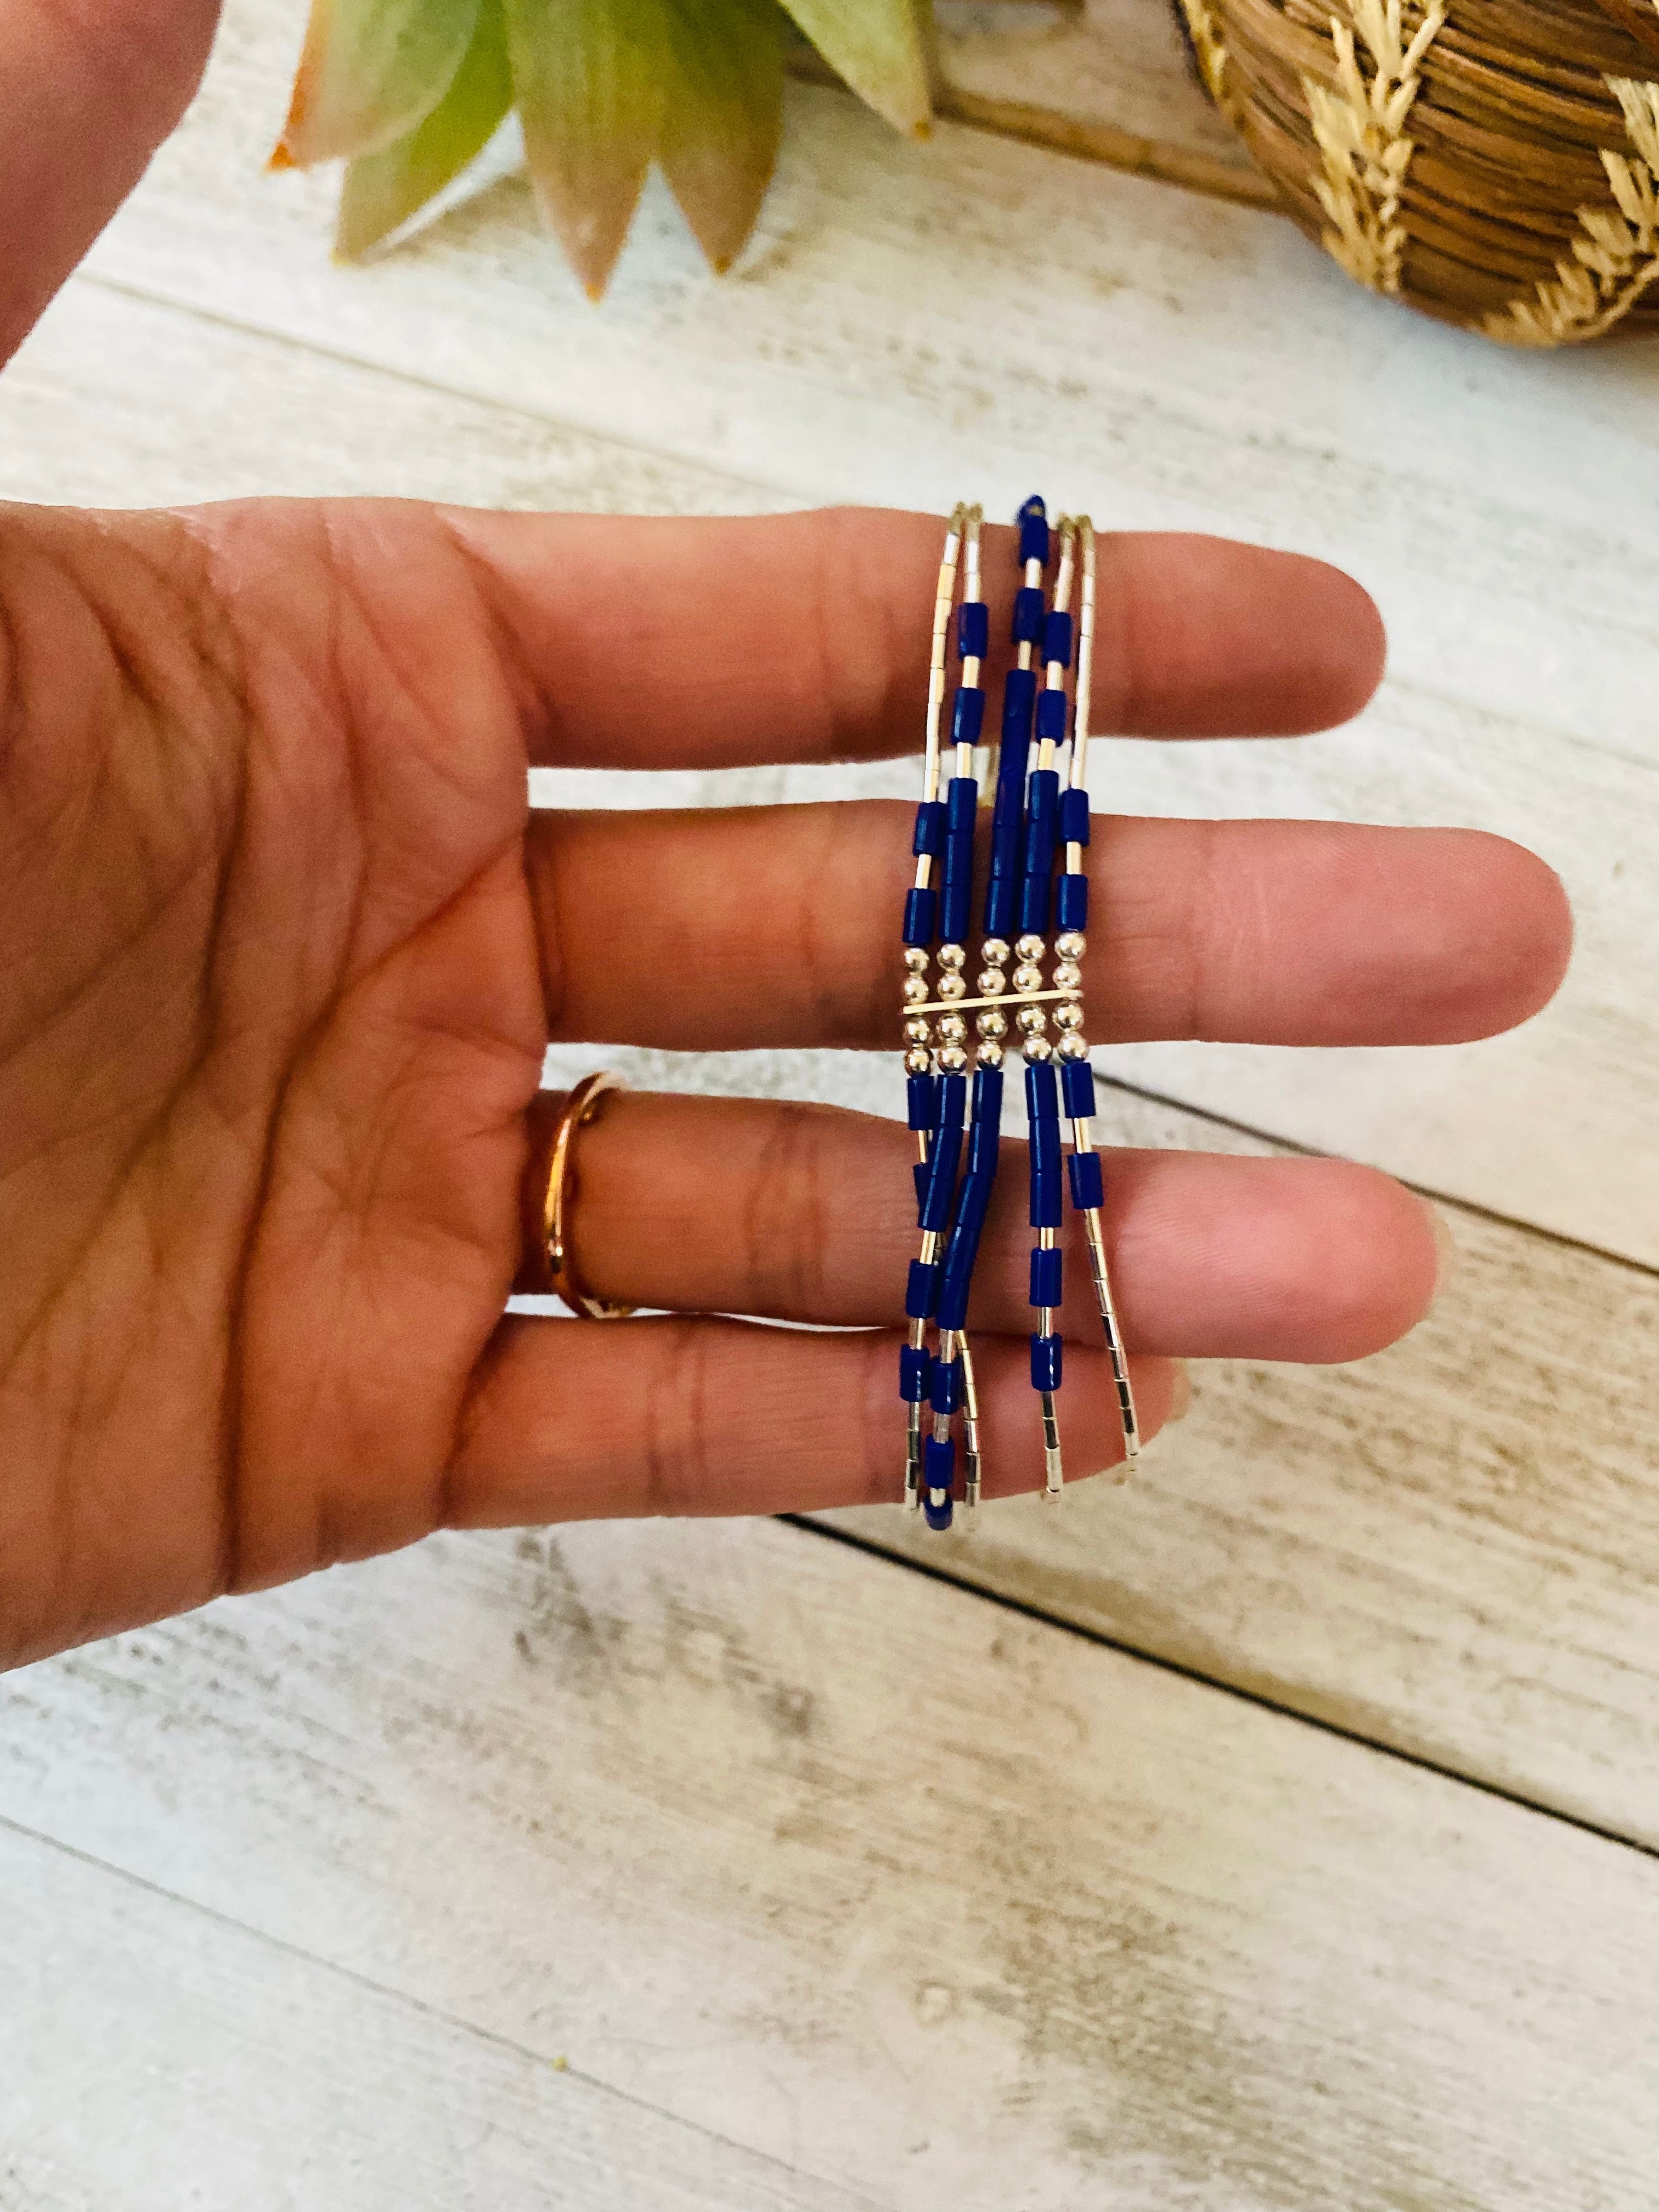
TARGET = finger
x,y
661,643
87,94
807,1213
779,926
574,1420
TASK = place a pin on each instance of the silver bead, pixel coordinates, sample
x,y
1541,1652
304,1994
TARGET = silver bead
x,y
1068,1016
992,1023
1074,1047
992,982
952,987
989,1054
917,1061
951,956
1068,976
1037,1048
915,959
952,1059
916,1030
1033,1020
994,952
1030,946
1028,976
953,1028
1071,944
915,991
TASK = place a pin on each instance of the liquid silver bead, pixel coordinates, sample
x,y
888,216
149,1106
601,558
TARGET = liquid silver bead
x,y
989,1054
1028,977
916,1030
1033,1020
1071,944
915,991
994,952
915,959
1068,1016
952,987
953,1028
1074,1046
992,1023
1037,1047
1068,976
951,956
952,1059
992,982
1030,946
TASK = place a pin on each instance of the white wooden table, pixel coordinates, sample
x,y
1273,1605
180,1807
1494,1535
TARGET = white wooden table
x,y
1278,1833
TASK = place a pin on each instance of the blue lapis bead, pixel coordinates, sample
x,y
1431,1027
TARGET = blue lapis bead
x,y
1042,1094
967,715
937,1517
1001,904
962,803
1019,691
912,1373
1057,639
940,1191
1045,1362
918,1176
972,1201
921,1289
920,916
1088,1187
953,1100
930,827
1076,1084
973,630
985,1134
1029,604
945,1391
1051,710
1046,1211
1072,902
921,1100
1073,817
1034,900
1046,1269
1033,532
956,910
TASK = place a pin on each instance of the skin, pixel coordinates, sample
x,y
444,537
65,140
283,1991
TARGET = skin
x,y
284,948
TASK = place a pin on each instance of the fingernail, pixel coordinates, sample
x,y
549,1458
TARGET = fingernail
x,y
1181,1393
1445,1246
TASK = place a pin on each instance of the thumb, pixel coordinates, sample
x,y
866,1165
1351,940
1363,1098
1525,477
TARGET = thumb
x,y
89,89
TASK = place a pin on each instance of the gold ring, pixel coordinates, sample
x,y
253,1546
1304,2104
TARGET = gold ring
x,y
550,1208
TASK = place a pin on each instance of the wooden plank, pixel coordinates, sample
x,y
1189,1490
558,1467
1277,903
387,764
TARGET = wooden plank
x,y
930,1902
153,2055
1452,1548
914,321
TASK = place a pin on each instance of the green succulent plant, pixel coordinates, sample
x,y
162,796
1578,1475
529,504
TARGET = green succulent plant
x,y
407,93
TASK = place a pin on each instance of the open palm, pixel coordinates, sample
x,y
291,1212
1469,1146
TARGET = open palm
x,y
284,947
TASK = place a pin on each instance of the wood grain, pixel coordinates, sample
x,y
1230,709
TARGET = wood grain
x,y
929,1903
153,2056
915,321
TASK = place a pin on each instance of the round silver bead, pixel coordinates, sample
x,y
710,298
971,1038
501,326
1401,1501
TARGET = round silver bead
x,y
992,1023
915,991
1037,1048
915,959
1071,944
994,952
952,987
1028,976
916,1030
1030,946
917,1061
1068,1016
952,1059
989,1054
1033,1020
953,1028
1074,1047
992,982
1068,976
951,956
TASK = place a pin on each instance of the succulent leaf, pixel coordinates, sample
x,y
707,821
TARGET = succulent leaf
x,y
723,116
590,77
370,71
878,47
383,190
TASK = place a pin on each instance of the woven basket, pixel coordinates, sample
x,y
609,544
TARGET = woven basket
x,y
1494,162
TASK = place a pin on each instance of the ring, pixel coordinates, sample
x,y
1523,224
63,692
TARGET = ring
x,y
548,1208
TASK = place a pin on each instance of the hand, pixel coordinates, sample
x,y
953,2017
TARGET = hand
x,y
284,948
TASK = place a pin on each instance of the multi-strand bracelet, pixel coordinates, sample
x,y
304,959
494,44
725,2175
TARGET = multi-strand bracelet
x,y
1033,818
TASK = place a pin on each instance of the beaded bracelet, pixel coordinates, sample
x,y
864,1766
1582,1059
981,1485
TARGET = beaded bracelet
x,y
1032,817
